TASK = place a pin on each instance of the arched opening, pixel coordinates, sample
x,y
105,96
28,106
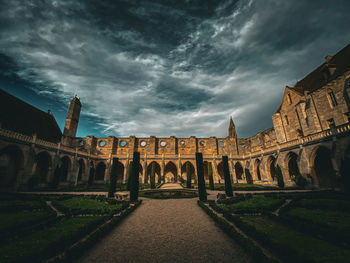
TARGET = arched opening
x,y
221,172
205,170
257,169
120,172
91,173
323,168
293,168
43,164
170,172
345,169
65,168
81,169
192,171
100,171
239,171
271,163
11,161
156,172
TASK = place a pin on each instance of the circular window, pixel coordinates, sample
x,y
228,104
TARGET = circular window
x,y
102,143
202,143
221,144
81,143
182,142
122,143
143,143
162,143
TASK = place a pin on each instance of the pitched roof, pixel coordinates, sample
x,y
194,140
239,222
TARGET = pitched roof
x,y
18,116
315,80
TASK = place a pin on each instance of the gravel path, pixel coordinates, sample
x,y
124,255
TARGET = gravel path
x,y
174,230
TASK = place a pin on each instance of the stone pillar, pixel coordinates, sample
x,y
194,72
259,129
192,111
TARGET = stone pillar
x,y
144,174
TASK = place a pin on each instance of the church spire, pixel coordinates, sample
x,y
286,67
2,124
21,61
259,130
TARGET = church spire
x,y
232,129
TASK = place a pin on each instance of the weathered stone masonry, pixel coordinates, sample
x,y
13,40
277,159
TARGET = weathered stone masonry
x,y
310,137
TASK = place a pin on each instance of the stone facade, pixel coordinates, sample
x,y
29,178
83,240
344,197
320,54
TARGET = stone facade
x,y
309,138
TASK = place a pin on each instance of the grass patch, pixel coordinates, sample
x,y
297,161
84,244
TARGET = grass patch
x,y
47,242
85,205
292,245
254,205
329,204
20,205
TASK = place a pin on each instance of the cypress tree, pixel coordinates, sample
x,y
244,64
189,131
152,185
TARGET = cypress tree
x,y
200,174
188,173
134,184
248,176
228,185
153,178
113,178
210,174
279,176
129,177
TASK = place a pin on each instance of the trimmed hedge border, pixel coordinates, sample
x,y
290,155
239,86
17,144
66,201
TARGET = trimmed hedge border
x,y
249,247
76,251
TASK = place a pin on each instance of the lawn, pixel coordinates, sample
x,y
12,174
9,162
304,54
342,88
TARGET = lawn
x,y
329,204
85,205
293,245
20,205
46,242
254,205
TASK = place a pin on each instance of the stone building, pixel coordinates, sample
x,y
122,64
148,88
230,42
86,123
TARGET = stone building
x,y
309,138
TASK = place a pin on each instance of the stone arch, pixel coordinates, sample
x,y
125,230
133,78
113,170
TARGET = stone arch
x,y
120,172
239,171
322,170
183,170
11,162
205,170
292,165
170,172
81,170
65,168
43,165
91,177
157,171
345,168
257,169
100,171
220,169
271,167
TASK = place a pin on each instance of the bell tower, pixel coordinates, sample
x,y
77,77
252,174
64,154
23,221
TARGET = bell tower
x,y
232,129
71,126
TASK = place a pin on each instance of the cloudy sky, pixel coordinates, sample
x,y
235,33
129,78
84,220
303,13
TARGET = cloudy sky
x,y
165,67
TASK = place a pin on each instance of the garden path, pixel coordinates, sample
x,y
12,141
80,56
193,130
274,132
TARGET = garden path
x,y
173,230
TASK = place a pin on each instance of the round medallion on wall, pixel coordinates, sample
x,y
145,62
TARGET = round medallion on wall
x,y
122,143
102,143
221,144
162,143
182,143
201,143
143,143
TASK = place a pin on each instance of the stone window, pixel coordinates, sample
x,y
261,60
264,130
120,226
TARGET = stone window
x,y
182,143
289,99
332,98
81,143
307,121
347,114
221,144
143,143
102,143
201,143
331,123
286,118
162,143
122,143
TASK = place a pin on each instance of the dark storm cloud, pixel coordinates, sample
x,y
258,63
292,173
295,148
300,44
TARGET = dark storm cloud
x,y
167,67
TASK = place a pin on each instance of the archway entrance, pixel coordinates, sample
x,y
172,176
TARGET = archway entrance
x,y
293,168
65,168
158,178
257,169
100,171
239,171
120,172
170,172
205,170
43,164
271,167
191,169
11,161
220,169
81,170
323,168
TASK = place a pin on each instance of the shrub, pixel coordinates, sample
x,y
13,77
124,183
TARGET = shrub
x,y
129,176
153,179
248,176
33,181
300,181
134,184
228,185
210,174
113,178
200,173
279,176
188,173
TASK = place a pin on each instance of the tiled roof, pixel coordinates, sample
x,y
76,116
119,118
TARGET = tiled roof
x,y
17,115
